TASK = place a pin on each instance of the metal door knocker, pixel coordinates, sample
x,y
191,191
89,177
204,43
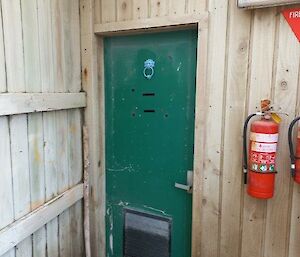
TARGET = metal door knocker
x,y
149,68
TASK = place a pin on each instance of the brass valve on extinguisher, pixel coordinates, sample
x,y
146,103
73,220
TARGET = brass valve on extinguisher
x,y
260,157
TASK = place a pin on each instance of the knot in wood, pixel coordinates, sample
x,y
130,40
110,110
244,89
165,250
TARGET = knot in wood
x,y
284,85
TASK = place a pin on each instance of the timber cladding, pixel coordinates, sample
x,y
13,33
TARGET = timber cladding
x,y
252,54
40,153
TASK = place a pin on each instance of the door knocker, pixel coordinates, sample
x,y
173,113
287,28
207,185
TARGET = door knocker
x,y
149,68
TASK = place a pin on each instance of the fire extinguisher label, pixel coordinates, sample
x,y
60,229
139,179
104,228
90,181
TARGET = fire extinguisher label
x,y
263,147
266,138
264,158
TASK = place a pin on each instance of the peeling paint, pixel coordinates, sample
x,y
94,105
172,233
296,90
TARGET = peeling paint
x,y
123,204
129,169
179,66
111,243
111,238
154,209
108,211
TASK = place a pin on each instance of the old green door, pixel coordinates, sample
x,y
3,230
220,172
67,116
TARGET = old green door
x,y
149,142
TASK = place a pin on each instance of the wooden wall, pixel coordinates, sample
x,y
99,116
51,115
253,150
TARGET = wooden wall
x,y
41,153
252,54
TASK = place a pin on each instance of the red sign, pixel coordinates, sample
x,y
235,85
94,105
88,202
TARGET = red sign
x,y
292,16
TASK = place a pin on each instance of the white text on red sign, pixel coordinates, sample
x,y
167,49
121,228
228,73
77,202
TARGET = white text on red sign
x,y
295,14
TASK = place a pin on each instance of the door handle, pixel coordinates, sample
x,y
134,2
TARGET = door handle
x,y
189,186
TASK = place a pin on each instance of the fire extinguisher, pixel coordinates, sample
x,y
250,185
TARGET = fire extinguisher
x,y
295,158
259,173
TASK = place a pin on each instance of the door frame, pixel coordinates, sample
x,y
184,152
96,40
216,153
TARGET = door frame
x,y
155,25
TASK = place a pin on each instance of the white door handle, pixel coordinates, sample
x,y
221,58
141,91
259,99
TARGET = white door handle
x,y
189,186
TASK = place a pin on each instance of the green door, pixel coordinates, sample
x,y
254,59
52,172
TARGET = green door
x,y
149,140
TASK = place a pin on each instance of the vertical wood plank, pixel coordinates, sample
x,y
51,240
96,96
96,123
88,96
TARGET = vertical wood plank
x,y
124,10
97,11
52,238
237,64
24,248
6,192
159,8
63,179
140,9
35,122
39,242
2,58
37,176
285,86
108,10
89,50
70,45
46,45
45,16
6,188
12,27
177,7
51,177
196,6
57,44
64,234
31,45
261,66
75,175
60,79
210,221
99,147
200,136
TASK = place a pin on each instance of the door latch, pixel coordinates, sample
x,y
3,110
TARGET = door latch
x,y
189,186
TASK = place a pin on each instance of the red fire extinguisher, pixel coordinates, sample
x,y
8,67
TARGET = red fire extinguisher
x,y
295,158
260,171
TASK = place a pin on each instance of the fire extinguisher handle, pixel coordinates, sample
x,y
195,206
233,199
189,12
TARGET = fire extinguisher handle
x,y
291,146
245,152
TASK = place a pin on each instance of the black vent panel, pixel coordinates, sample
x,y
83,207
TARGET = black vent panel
x,y
146,235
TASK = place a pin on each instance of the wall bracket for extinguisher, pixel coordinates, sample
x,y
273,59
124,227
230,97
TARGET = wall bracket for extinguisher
x,y
245,152
291,146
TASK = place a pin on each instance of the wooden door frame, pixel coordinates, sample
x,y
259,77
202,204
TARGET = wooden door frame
x,y
157,25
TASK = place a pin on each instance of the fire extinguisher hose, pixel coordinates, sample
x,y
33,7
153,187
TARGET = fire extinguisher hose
x,y
291,147
245,150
